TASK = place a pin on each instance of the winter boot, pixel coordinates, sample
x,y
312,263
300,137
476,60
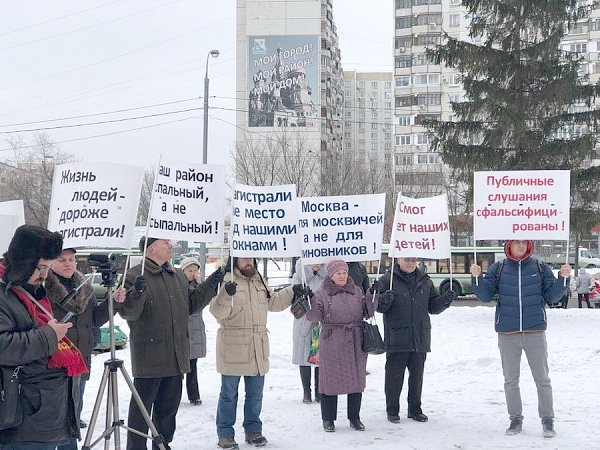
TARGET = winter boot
x,y
256,439
515,427
329,426
417,415
307,397
548,427
317,394
393,418
357,424
228,443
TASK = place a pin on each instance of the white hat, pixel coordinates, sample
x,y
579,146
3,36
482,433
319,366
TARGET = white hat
x,y
188,261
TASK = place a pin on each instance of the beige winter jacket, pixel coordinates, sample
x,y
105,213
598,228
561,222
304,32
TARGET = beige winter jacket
x,y
242,339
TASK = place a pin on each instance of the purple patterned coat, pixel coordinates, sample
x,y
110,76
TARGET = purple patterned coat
x,y
342,363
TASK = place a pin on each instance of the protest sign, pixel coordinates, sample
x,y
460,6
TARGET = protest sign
x,y
265,221
527,204
345,227
95,204
12,216
421,228
188,202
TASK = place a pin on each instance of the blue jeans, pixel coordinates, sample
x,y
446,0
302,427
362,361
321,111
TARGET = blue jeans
x,y
227,406
71,444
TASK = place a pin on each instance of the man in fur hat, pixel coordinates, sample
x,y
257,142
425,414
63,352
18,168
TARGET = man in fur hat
x,y
61,280
157,308
50,364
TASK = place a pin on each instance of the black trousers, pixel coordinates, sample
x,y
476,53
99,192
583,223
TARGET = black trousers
x,y
305,378
583,298
395,367
329,406
191,381
161,397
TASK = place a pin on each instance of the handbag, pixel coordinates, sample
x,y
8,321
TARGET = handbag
x,y
11,411
371,338
300,306
315,344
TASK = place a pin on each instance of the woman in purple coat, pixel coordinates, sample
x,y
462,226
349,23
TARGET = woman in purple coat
x,y
338,305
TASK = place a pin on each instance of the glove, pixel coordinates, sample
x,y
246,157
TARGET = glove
x,y
302,291
449,297
376,286
385,301
230,288
139,284
216,277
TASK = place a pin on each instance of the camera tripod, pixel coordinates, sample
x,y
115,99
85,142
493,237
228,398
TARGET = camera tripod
x,y
109,379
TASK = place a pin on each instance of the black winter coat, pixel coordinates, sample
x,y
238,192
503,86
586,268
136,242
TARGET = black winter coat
x,y
94,315
359,275
48,396
407,327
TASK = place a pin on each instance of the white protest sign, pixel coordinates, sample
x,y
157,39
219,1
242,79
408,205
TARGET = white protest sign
x,y
265,221
421,228
95,204
527,204
188,202
345,227
12,216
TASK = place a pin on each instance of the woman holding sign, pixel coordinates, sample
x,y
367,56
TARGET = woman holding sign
x,y
338,305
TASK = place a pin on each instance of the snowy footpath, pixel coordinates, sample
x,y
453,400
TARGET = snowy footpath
x,y
462,395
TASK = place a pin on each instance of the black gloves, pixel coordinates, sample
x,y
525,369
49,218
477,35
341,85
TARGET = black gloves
x,y
216,277
449,297
302,291
385,301
376,286
230,288
139,284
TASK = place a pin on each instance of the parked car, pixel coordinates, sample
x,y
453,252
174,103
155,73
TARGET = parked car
x,y
104,344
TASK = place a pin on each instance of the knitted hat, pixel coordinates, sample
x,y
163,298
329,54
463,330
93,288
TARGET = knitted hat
x,y
186,262
335,265
143,241
29,244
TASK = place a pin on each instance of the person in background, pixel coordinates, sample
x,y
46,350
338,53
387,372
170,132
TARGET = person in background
x,y
196,331
523,286
50,364
406,313
339,305
61,280
157,308
241,309
358,273
583,285
302,332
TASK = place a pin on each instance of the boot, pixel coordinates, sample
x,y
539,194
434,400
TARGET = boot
x,y
357,424
515,427
548,427
328,426
256,439
418,416
317,394
228,443
307,397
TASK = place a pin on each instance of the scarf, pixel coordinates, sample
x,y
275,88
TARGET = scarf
x,y
68,355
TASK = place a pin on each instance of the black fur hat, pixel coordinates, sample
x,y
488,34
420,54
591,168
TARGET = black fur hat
x,y
28,245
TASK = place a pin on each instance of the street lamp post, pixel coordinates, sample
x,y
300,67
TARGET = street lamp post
x,y
214,54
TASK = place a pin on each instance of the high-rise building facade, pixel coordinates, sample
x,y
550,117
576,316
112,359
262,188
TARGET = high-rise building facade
x,y
289,75
368,116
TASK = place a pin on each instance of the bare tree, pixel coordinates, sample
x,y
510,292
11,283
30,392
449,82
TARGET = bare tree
x,y
145,196
27,175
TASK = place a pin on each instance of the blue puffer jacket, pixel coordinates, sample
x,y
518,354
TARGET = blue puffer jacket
x,y
522,298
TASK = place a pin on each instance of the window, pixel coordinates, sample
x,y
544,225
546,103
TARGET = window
x,y
403,4
403,61
374,126
454,98
374,115
403,42
424,138
361,126
428,158
348,83
426,2
348,104
454,20
388,85
403,22
406,100
374,84
348,144
419,118
403,80
387,114
426,78
427,39
429,99
361,114
388,136
387,94
428,19
373,105
402,139
348,115
579,47
347,135
374,135
388,147
348,94
404,160
348,124
454,79
374,94
403,120
361,84
374,146
388,105
421,60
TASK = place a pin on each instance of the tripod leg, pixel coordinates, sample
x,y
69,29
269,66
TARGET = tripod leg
x,y
96,410
115,405
157,439
109,411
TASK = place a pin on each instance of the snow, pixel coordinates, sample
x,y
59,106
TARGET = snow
x,y
462,395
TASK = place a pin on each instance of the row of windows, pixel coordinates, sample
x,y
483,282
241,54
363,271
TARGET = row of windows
x,y
374,94
421,19
419,99
404,42
408,120
416,139
422,158
417,59
374,146
408,3
362,84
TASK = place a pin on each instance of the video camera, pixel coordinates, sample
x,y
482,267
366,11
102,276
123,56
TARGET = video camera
x,y
105,264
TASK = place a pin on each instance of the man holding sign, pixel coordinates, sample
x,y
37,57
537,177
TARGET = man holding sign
x,y
523,285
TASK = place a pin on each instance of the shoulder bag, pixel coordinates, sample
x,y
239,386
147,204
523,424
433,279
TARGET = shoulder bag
x,y
11,411
371,338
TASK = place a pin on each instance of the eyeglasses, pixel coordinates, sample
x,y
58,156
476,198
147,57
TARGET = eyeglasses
x,y
412,260
44,268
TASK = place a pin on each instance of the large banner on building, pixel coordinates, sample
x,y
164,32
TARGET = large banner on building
x,y
347,227
283,81
521,204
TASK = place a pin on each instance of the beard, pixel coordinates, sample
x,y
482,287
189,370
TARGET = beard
x,y
248,271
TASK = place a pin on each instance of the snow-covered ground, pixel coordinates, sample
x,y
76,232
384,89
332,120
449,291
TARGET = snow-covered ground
x,y
462,395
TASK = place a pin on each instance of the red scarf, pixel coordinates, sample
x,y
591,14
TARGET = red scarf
x,y
68,355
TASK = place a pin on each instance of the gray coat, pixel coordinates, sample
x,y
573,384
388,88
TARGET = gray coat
x,y
342,363
584,282
302,331
196,330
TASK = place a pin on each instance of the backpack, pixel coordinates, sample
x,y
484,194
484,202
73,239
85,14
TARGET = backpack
x,y
541,271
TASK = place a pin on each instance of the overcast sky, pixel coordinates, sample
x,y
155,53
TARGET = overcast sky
x,y
69,59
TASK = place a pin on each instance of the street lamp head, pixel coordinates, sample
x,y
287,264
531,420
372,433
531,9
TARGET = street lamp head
x,y
214,53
